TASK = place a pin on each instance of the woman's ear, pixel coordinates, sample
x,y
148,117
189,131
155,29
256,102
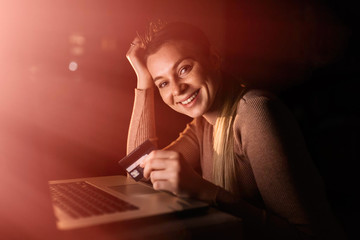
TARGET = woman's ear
x,y
215,58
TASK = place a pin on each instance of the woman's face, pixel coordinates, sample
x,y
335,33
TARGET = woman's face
x,y
187,80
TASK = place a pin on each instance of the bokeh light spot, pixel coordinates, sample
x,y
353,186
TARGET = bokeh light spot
x,y
73,66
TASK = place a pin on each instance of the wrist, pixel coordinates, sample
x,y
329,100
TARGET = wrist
x,y
144,82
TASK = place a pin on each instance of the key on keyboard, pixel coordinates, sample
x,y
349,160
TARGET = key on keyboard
x,y
80,199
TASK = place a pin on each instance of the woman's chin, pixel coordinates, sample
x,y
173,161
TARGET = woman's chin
x,y
194,113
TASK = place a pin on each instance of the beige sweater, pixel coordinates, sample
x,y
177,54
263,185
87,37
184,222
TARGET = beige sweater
x,y
276,173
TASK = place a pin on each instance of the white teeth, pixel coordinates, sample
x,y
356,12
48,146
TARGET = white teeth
x,y
190,98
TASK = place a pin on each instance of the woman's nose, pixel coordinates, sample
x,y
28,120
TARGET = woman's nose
x,y
178,88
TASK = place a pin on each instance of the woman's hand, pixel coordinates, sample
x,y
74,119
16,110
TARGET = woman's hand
x,y
135,56
168,171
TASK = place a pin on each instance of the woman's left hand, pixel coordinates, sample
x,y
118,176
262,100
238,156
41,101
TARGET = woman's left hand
x,y
168,171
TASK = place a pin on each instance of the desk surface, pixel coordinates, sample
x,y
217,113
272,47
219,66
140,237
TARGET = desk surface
x,y
210,223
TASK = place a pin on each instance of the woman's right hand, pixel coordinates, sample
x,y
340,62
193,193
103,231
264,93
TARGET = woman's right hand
x,y
135,57
169,171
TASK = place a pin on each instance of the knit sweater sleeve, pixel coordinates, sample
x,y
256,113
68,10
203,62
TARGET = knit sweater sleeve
x,y
187,144
142,123
291,188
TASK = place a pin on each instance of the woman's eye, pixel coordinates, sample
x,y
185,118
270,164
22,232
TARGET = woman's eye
x,y
163,84
184,70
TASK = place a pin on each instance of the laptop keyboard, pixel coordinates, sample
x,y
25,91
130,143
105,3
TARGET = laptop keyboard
x,y
80,199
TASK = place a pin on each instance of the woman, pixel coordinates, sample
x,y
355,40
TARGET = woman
x,y
242,153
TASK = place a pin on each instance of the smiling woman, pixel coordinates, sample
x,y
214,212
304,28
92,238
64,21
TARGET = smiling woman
x,y
187,80
243,151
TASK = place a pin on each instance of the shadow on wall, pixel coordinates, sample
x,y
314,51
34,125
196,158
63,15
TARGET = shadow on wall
x,y
276,44
327,109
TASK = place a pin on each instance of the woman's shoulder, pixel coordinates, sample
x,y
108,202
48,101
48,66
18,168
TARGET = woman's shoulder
x,y
257,94
258,104
256,98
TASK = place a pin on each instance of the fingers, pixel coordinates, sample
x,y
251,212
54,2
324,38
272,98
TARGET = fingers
x,y
135,56
160,154
159,172
136,41
164,154
163,176
165,180
163,185
161,160
169,171
153,165
135,45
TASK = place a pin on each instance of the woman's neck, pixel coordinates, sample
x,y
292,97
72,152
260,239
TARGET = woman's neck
x,y
212,114
211,117
229,87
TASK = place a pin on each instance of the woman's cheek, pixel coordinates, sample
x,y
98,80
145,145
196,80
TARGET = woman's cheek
x,y
166,97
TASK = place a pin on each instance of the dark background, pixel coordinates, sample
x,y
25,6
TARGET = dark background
x,y
76,121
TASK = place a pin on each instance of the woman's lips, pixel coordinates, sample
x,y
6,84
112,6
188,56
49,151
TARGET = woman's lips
x,y
190,99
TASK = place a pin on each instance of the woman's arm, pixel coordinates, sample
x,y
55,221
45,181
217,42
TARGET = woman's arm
x,y
142,124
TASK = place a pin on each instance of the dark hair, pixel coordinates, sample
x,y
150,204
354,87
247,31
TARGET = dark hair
x,y
160,32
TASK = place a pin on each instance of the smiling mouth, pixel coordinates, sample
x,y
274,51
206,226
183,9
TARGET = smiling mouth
x,y
190,99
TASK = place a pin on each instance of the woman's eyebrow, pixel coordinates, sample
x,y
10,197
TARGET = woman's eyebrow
x,y
176,64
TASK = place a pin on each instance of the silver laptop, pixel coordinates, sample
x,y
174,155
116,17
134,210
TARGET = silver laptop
x,y
91,201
